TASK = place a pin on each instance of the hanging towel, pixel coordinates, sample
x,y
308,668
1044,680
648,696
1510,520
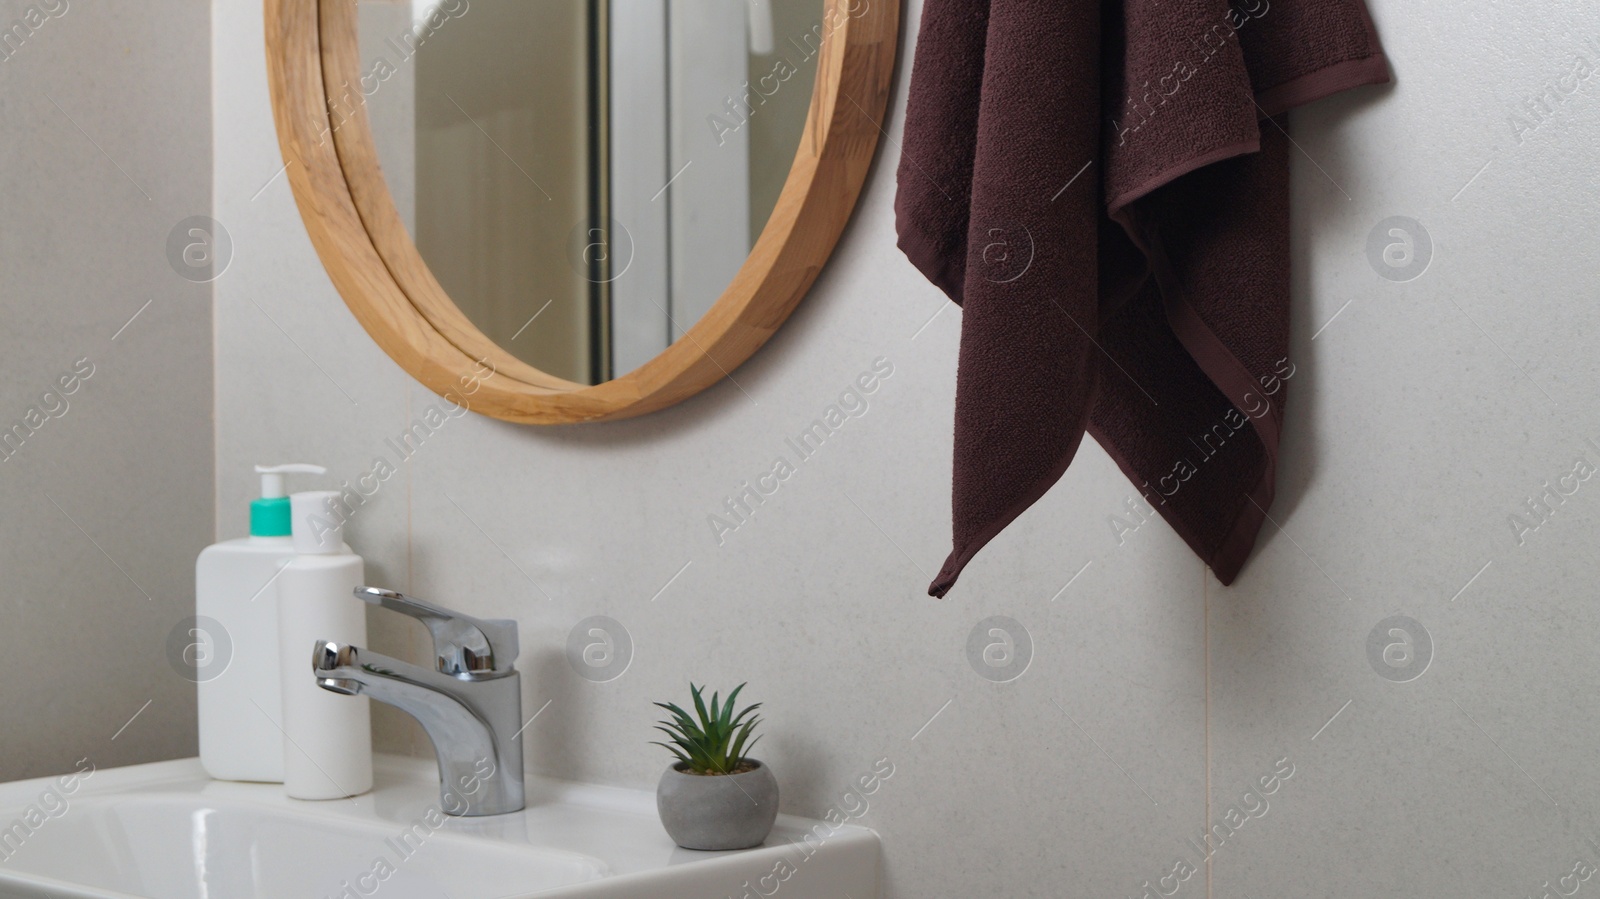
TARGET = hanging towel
x,y
1102,185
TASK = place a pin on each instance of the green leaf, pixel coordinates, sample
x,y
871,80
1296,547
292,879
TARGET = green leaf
x,y
747,710
696,758
744,733
714,740
677,728
681,757
727,710
671,733
699,704
681,715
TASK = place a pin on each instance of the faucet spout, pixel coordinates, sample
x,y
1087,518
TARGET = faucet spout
x,y
471,720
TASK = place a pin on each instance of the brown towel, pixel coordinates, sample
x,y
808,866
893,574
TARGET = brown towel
x,y
1103,187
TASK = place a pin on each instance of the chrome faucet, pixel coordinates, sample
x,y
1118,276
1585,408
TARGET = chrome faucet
x,y
470,706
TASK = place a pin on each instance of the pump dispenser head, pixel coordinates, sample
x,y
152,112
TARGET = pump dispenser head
x,y
269,515
318,528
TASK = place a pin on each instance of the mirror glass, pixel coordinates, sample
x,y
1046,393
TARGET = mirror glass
x,y
584,177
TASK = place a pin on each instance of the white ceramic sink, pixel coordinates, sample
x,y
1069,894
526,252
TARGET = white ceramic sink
x,y
165,830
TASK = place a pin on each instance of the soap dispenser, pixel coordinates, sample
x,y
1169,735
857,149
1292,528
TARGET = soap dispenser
x,y
233,642
327,738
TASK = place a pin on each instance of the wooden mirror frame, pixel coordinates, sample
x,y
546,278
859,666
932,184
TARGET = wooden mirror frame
x,y
313,67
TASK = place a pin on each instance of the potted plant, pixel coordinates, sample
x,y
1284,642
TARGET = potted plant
x,y
713,796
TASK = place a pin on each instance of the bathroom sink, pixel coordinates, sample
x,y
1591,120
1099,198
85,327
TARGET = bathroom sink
x,y
193,847
166,830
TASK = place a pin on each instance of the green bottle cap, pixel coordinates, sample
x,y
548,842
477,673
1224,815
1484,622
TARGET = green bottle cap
x,y
269,517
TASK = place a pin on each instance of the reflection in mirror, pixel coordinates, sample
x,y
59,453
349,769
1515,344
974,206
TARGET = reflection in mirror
x,y
585,177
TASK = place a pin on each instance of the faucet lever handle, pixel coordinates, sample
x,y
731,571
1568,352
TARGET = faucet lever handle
x,y
462,644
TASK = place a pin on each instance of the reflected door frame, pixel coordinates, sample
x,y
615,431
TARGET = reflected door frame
x,y
680,188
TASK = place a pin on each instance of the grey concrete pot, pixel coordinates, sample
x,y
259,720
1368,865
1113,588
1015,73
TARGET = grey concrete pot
x,y
717,811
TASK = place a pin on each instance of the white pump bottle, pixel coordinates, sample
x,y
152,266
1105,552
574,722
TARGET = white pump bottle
x,y
231,649
327,738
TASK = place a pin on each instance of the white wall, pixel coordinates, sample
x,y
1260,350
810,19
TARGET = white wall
x,y
1420,419
105,145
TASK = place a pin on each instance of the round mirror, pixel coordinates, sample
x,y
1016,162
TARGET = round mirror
x,y
585,178
586,209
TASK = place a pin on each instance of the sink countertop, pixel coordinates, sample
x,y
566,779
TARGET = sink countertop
x,y
614,831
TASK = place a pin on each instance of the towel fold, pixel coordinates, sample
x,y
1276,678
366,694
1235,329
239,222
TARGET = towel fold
x,y
1103,187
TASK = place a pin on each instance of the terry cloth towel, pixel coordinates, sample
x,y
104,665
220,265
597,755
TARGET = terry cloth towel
x,y
1103,186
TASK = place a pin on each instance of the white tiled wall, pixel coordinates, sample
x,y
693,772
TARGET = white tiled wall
x,y
105,146
1422,415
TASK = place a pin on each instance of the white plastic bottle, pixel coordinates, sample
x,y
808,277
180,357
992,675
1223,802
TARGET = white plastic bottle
x,y
327,737
233,644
